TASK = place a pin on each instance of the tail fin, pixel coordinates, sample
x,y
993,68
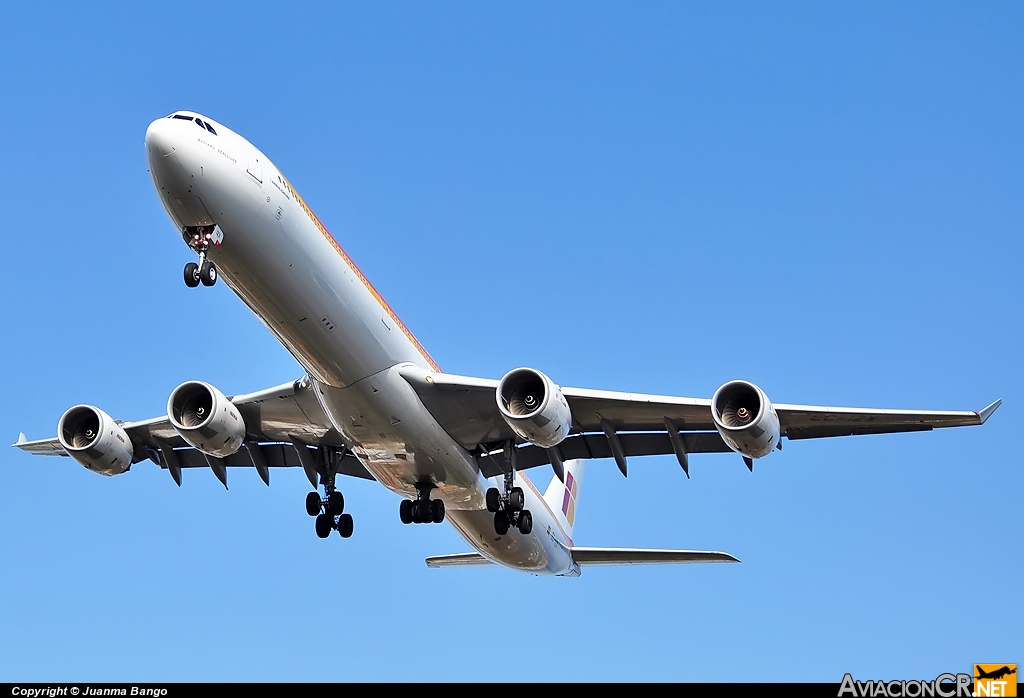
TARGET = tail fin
x,y
562,498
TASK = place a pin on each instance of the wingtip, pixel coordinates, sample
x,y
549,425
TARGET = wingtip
x,y
21,439
987,412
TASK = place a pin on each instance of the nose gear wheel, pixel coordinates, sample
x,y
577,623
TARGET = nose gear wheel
x,y
191,274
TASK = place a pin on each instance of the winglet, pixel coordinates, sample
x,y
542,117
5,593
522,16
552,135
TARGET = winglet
x,y
21,439
987,412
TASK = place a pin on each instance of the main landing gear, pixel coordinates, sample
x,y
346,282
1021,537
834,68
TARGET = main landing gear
x,y
200,239
423,509
329,511
508,509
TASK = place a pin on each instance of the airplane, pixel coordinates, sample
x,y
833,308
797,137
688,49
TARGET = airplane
x,y
373,404
995,674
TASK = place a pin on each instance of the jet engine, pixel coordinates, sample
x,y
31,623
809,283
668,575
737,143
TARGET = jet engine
x,y
746,419
206,419
91,437
534,407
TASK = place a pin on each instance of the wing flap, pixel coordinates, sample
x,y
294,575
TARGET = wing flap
x,y
642,556
276,456
597,446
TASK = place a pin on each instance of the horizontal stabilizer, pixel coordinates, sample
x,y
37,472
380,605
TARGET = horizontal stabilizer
x,y
640,556
458,560
591,557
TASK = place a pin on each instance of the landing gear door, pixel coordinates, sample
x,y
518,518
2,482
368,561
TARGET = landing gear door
x,y
256,165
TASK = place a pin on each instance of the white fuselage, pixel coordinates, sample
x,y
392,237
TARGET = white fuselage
x,y
281,261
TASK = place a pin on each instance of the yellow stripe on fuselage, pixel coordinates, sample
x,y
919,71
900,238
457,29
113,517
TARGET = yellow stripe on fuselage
x,y
366,282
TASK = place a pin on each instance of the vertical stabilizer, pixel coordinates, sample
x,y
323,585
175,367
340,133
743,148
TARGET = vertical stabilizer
x,y
562,498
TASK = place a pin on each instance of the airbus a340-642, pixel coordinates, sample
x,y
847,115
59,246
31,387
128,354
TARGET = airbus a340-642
x,y
374,405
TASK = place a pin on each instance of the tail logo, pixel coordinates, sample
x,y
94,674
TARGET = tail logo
x,y
569,499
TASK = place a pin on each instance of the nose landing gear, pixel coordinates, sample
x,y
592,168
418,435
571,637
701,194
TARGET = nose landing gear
x,y
423,509
508,509
200,239
206,274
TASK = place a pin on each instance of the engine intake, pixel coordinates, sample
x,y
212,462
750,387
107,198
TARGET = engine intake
x,y
206,419
534,407
91,437
746,419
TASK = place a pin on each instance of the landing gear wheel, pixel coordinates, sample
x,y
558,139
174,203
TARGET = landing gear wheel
x,y
525,522
417,512
426,514
324,524
313,503
405,511
345,525
191,274
493,500
501,523
208,274
516,499
436,511
335,503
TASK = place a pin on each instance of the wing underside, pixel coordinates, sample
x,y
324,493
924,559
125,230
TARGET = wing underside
x,y
285,428
639,424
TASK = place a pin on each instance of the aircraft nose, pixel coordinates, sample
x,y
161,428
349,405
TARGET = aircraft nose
x,y
164,147
160,138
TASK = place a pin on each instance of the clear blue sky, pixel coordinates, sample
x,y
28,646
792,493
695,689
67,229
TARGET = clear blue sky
x,y
825,199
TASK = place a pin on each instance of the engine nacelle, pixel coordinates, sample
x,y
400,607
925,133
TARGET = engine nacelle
x,y
746,419
534,407
206,419
91,437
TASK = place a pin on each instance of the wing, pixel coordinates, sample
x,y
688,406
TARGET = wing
x,y
285,427
638,425
811,422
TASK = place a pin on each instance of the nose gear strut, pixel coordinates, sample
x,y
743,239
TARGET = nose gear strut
x,y
199,239
508,507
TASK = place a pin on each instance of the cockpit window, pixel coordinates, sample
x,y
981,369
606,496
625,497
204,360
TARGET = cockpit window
x,y
200,122
203,124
